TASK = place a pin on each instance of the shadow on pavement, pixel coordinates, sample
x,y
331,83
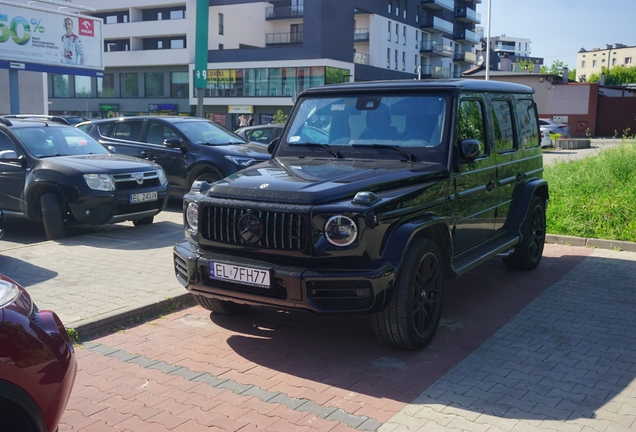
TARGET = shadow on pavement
x,y
24,273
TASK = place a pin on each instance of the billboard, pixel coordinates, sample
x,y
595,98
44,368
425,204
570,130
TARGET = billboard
x,y
53,41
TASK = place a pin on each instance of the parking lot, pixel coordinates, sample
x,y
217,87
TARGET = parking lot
x,y
550,349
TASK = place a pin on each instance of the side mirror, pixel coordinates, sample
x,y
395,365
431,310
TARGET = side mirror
x,y
111,149
469,150
8,154
272,145
173,143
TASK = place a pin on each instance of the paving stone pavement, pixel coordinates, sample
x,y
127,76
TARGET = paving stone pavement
x,y
548,350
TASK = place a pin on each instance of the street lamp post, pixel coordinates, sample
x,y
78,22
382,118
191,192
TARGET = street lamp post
x,y
488,45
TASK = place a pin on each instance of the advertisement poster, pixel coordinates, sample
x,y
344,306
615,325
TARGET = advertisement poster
x,y
49,37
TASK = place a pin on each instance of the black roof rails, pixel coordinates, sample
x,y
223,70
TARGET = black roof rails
x,y
5,121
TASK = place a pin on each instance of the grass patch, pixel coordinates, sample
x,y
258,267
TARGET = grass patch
x,y
594,197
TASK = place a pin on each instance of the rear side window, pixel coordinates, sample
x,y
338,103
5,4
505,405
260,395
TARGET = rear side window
x,y
6,143
470,123
503,125
127,130
527,120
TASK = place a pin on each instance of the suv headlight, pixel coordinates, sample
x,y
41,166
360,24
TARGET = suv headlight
x,y
192,217
241,160
163,179
102,182
340,231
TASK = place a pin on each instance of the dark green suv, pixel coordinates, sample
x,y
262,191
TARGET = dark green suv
x,y
375,194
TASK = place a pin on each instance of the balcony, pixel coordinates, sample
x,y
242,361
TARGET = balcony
x,y
468,15
435,24
436,48
283,12
448,5
362,59
505,47
465,35
461,56
361,35
435,72
272,39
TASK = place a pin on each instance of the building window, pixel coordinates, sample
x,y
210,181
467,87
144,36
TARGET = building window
x,y
179,84
220,23
404,35
396,59
389,2
583,64
389,31
613,62
106,85
159,14
221,47
415,63
153,84
388,57
116,45
397,9
593,63
178,43
60,86
83,86
628,60
397,33
403,60
129,84
417,14
405,8
113,17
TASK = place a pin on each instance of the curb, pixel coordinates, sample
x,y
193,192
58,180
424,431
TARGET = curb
x,y
136,315
591,242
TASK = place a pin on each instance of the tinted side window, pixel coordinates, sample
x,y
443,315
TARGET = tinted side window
x,y
158,132
527,120
127,130
501,111
6,143
470,123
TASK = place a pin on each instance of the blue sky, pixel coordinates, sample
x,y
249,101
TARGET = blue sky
x,y
558,29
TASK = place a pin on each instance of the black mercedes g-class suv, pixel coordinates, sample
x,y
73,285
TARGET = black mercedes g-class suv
x,y
62,176
375,194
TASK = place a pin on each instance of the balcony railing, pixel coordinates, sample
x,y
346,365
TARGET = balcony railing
x,y
435,23
361,35
464,56
283,38
360,58
468,15
284,12
435,72
436,47
439,4
505,47
466,35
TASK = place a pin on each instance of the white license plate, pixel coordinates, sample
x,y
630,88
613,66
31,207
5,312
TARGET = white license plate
x,y
240,274
142,197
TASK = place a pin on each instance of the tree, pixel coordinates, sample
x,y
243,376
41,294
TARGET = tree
x,y
617,75
279,118
525,64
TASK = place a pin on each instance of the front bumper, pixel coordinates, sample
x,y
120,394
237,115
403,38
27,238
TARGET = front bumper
x,y
341,291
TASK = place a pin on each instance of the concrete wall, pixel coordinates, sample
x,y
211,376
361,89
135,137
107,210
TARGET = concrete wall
x,y
32,89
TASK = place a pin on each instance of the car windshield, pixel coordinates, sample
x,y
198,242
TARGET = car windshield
x,y
374,121
206,132
46,141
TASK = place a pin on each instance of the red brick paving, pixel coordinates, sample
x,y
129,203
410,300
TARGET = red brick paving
x,y
334,362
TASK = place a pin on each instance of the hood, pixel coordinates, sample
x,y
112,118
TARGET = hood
x,y
318,181
97,164
256,151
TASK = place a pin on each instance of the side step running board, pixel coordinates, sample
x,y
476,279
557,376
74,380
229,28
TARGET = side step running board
x,y
472,258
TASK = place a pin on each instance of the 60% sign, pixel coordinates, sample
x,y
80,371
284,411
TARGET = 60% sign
x,y
19,29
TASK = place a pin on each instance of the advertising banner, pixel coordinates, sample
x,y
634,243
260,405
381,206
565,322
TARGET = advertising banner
x,y
48,37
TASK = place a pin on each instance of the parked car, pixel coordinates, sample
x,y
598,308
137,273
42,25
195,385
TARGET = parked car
x,y
61,176
63,119
188,148
397,187
262,134
37,363
546,141
555,127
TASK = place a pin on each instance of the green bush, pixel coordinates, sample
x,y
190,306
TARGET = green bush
x,y
594,197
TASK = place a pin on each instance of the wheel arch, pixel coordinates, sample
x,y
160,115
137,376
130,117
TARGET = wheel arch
x,y
522,199
34,208
20,398
202,168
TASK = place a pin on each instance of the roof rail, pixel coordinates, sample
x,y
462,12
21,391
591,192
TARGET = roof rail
x,y
5,121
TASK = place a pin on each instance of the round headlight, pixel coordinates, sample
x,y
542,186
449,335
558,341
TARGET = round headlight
x,y
340,231
192,216
8,293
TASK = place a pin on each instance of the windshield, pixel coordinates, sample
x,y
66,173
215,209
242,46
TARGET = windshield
x,y
205,132
396,121
46,141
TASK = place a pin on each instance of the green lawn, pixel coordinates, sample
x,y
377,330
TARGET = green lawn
x,y
594,197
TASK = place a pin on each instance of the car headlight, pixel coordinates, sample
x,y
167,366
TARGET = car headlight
x,y
102,182
192,217
163,179
8,293
241,160
341,231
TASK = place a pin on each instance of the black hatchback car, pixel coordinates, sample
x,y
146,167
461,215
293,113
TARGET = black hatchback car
x,y
188,148
60,175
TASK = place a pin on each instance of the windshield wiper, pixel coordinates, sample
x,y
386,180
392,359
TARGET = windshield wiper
x,y
327,147
410,156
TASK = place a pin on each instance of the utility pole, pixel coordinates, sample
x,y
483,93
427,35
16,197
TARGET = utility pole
x,y
488,46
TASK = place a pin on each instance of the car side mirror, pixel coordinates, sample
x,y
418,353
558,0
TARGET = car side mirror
x,y
173,143
272,145
111,149
8,155
469,150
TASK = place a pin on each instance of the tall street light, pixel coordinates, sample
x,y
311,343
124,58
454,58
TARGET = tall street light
x,y
488,45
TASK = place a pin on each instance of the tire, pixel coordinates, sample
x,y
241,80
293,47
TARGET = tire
x,y
52,216
144,221
527,253
15,419
411,318
220,306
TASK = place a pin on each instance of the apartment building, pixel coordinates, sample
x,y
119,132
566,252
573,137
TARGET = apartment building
x,y
262,53
512,46
592,61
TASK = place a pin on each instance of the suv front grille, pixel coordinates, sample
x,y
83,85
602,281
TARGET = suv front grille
x,y
341,295
279,230
136,180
